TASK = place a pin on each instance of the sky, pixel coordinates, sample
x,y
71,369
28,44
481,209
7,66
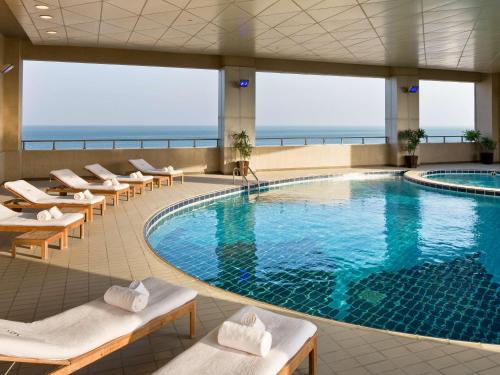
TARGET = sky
x,y
67,94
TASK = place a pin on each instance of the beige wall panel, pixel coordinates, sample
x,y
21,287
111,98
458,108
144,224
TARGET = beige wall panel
x,y
38,164
318,156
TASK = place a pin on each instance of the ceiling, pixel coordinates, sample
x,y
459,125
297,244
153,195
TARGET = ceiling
x,y
449,34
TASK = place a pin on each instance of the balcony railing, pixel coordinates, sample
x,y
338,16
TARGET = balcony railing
x,y
159,143
314,140
112,144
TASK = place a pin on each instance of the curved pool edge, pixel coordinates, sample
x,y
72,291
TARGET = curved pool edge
x,y
163,213
420,177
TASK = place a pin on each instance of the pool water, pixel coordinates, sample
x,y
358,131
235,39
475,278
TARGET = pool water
x,y
382,253
486,180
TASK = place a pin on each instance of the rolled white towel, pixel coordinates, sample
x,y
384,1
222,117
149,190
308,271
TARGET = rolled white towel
x,y
138,286
250,319
108,183
133,175
87,194
55,212
139,174
125,298
165,169
43,215
115,182
79,196
244,338
170,169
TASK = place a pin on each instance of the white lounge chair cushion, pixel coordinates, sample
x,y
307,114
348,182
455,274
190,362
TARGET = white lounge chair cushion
x,y
72,180
100,171
208,357
18,219
86,327
145,167
128,179
34,195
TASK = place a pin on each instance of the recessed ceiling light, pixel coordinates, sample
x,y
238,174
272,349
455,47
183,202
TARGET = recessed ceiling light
x,y
46,17
41,7
51,32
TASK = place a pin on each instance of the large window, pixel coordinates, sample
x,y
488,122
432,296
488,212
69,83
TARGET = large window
x,y
299,105
446,108
92,101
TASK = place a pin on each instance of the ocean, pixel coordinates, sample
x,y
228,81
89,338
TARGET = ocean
x,y
100,137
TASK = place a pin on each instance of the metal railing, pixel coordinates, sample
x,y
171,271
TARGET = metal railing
x,y
237,172
141,143
445,139
152,143
309,140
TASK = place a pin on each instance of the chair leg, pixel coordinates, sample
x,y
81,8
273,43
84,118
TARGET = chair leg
x,y
13,250
192,321
45,250
90,214
313,361
82,230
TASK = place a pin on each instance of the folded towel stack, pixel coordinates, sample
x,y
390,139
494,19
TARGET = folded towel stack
x,y
43,215
133,175
55,212
134,298
88,195
79,196
168,169
139,174
115,182
108,183
250,319
244,338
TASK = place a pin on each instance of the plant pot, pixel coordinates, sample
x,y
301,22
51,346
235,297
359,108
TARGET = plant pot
x,y
243,167
486,157
411,161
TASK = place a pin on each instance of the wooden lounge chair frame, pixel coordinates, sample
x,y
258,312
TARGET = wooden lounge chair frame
x,y
114,195
140,185
25,228
159,178
68,366
309,349
21,203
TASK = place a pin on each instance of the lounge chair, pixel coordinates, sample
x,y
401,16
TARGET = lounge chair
x,y
29,196
103,174
11,221
159,174
293,340
82,335
72,183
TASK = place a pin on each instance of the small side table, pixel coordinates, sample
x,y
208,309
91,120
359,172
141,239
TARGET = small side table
x,y
37,238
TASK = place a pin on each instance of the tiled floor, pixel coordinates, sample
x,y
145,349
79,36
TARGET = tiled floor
x,y
114,252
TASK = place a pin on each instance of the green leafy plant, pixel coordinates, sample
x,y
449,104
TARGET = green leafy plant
x,y
488,144
241,142
411,139
472,135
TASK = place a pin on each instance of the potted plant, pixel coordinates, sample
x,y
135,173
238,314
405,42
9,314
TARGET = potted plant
x,y
487,145
241,142
411,139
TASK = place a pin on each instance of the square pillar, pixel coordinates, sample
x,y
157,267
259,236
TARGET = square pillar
x,y
401,113
11,110
236,111
487,107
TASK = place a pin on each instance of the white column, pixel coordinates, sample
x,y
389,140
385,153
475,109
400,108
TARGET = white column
x,y
401,112
487,107
236,111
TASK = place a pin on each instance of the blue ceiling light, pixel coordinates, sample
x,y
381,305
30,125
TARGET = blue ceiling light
x,y
244,82
4,69
413,89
